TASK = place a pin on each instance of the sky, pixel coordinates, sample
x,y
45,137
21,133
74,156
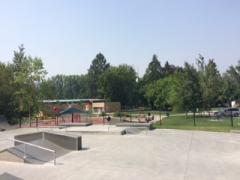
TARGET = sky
x,y
67,34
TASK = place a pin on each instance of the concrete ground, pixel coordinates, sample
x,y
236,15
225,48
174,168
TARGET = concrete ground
x,y
5,126
158,154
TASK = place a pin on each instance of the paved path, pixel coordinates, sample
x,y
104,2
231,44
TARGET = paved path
x,y
156,155
5,126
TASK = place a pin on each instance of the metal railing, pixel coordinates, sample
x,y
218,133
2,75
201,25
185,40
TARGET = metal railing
x,y
33,145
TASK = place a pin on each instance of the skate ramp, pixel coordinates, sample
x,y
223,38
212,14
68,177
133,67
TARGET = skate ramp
x,y
31,153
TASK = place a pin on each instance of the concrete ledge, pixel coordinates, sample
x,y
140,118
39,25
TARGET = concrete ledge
x,y
76,124
28,137
70,142
67,141
137,125
122,132
97,129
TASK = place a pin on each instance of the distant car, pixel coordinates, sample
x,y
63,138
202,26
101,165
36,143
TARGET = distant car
x,y
219,114
231,112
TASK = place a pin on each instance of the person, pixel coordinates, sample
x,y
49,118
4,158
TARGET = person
x,y
146,119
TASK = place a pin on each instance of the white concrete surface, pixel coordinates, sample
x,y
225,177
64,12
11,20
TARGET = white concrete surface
x,y
156,155
4,125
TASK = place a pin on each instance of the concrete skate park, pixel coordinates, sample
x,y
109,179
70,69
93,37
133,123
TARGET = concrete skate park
x,y
145,154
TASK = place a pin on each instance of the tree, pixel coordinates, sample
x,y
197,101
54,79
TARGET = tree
x,y
158,93
213,82
64,87
187,94
98,67
19,58
150,94
169,69
119,84
210,83
6,92
47,90
163,92
141,100
28,74
153,71
75,86
231,83
58,83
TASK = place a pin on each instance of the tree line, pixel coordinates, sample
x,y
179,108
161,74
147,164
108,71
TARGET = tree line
x,y
193,87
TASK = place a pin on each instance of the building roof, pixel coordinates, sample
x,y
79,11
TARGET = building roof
x,y
71,100
70,110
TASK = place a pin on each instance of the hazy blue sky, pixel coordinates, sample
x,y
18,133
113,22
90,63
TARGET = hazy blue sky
x,y
68,34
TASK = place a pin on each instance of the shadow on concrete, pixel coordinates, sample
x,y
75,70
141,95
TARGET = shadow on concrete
x,y
7,176
85,148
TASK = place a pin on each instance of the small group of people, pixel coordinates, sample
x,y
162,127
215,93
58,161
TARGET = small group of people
x,y
149,117
145,118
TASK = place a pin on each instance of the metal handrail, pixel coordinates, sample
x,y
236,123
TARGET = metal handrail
x,y
33,145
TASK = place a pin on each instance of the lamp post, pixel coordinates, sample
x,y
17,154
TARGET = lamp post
x,y
231,119
160,116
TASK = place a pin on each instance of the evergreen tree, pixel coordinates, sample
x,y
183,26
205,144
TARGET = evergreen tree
x,y
169,69
212,92
210,83
154,71
98,67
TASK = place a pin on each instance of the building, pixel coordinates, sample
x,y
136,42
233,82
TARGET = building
x,y
97,106
236,103
108,107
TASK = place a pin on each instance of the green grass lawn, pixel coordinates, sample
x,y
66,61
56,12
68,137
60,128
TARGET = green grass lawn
x,y
202,123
